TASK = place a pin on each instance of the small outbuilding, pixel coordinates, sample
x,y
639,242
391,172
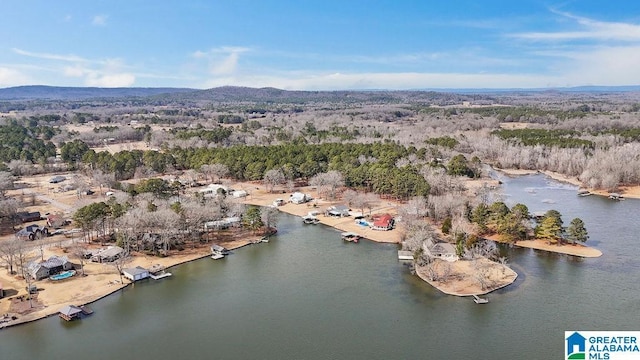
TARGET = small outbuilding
x,y
70,312
136,273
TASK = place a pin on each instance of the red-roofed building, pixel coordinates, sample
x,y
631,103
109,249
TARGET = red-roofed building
x,y
382,222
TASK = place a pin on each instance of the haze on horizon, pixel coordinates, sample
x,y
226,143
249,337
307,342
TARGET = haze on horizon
x,y
320,45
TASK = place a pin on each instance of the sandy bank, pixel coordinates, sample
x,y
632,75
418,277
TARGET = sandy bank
x,y
259,196
567,249
462,279
100,281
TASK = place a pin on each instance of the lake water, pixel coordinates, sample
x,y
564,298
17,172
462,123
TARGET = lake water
x,y
309,295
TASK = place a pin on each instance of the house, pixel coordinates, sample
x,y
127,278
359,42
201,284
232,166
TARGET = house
x,y
32,232
337,211
57,221
111,253
136,273
25,216
442,250
383,222
239,194
299,198
57,179
52,266
213,190
222,224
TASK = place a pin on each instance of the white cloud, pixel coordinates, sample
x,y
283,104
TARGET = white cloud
x,y
101,72
222,61
110,80
69,58
226,66
12,77
589,29
100,20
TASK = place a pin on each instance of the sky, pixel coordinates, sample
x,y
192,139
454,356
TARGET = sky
x,y
320,44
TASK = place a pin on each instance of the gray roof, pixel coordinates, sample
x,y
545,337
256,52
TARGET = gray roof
x,y
339,207
111,252
70,310
138,270
443,248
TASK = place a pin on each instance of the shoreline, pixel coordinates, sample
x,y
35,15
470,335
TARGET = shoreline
x,y
631,192
463,283
101,279
51,308
565,249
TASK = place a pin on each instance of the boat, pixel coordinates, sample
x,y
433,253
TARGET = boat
x,y
156,269
584,193
479,300
217,256
309,219
616,196
350,236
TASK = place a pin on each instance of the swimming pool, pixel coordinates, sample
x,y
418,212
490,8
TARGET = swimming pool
x,y
63,275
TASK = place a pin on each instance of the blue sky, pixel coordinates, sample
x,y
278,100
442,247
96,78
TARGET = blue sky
x,y
321,44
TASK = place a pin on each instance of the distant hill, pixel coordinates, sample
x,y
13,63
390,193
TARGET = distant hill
x,y
42,92
246,94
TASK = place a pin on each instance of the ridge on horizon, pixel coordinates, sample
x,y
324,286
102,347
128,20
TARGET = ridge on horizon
x,y
50,92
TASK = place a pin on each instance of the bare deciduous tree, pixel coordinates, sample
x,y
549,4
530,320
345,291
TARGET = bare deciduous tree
x,y
273,178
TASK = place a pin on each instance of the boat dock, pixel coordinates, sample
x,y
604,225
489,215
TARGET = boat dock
x,y
217,256
405,255
160,276
479,300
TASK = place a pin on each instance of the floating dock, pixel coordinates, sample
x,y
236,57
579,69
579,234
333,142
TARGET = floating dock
x,y
160,276
405,255
479,300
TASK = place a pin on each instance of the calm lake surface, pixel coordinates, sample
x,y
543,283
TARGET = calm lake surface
x,y
309,295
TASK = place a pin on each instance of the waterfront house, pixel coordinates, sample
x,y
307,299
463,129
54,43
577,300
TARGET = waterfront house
x,y
299,198
136,273
110,254
222,224
52,266
382,222
442,250
337,210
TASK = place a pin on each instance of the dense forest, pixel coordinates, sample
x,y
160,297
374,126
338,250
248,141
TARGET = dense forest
x,y
364,135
